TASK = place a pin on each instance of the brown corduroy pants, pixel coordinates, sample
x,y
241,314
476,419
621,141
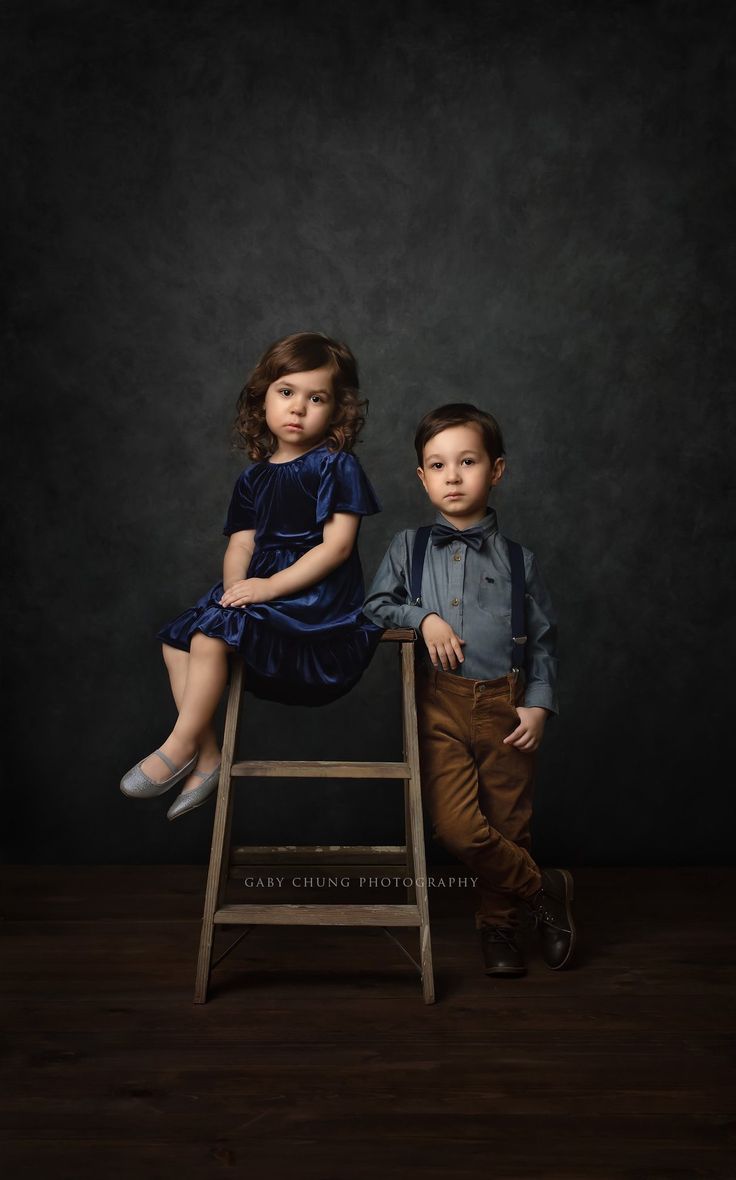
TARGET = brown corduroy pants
x,y
478,791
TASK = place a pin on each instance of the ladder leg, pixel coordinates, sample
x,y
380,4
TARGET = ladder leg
x,y
415,833
220,850
411,892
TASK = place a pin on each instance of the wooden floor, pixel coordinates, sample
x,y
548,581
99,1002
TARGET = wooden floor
x,y
316,1057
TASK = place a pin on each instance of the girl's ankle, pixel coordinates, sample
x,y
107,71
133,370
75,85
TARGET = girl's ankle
x,y
185,747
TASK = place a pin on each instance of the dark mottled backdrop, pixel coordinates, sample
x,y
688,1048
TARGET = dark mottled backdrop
x,y
524,204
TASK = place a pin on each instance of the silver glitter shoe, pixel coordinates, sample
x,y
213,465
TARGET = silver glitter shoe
x,y
188,800
137,785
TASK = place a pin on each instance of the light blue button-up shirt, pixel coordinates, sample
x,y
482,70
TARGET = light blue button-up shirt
x,y
471,590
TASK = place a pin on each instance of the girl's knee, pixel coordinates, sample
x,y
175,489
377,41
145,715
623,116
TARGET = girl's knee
x,y
206,643
172,654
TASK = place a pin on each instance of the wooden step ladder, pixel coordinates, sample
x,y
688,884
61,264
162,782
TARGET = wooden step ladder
x,y
408,858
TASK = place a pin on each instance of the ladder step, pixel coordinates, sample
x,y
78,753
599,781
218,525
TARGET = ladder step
x,y
272,768
319,915
388,855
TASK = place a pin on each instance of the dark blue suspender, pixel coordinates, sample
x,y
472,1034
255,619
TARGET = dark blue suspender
x,y
421,541
518,588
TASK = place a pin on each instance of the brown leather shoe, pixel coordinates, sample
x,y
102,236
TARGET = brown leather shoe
x,y
550,909
501,955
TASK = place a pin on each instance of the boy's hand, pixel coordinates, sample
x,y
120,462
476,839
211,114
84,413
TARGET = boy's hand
x,y
246,591
528,733
443,645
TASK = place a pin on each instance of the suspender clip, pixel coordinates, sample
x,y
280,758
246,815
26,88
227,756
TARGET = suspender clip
x,y
519,638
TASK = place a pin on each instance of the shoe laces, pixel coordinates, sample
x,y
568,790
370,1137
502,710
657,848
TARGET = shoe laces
x,y
542,917
500,934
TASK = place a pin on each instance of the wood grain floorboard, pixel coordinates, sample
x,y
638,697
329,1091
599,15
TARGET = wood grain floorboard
x,y
316,1058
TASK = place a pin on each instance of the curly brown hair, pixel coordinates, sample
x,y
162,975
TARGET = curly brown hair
x,y
300,353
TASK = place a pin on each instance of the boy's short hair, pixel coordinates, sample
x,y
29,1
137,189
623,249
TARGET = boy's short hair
x,y
459,414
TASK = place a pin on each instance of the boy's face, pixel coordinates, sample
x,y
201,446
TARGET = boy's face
x,y
458,474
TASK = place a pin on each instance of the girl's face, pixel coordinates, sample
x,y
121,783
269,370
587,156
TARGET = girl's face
x,y
299,408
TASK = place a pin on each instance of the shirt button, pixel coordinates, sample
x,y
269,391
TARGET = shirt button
x,y
455,602
457,557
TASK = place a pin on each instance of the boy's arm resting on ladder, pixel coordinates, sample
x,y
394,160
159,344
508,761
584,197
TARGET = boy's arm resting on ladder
x,y
388,602
389,605
338,540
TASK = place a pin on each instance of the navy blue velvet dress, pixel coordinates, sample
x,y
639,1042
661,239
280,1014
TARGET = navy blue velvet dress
x,y
310,647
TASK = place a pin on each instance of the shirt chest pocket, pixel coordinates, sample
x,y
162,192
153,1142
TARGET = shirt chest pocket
x,y
494,596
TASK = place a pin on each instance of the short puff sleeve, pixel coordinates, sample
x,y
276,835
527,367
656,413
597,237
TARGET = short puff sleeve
x,y
241,514
344,487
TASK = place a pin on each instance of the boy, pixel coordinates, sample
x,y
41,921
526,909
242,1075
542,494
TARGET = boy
x,y
480,721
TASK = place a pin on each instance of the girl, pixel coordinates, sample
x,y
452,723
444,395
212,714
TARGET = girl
x,y
292,587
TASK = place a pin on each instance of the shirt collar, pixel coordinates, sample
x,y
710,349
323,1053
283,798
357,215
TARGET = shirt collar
x,y
488,525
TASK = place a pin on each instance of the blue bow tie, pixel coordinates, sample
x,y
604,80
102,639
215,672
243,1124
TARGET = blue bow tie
x,y
442,534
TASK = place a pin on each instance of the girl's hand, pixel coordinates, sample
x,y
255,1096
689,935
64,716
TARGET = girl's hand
x,y
443,645
529,731
247,591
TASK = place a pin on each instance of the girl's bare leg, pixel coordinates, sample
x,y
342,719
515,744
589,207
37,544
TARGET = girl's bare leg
x,y
198,678
177,665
